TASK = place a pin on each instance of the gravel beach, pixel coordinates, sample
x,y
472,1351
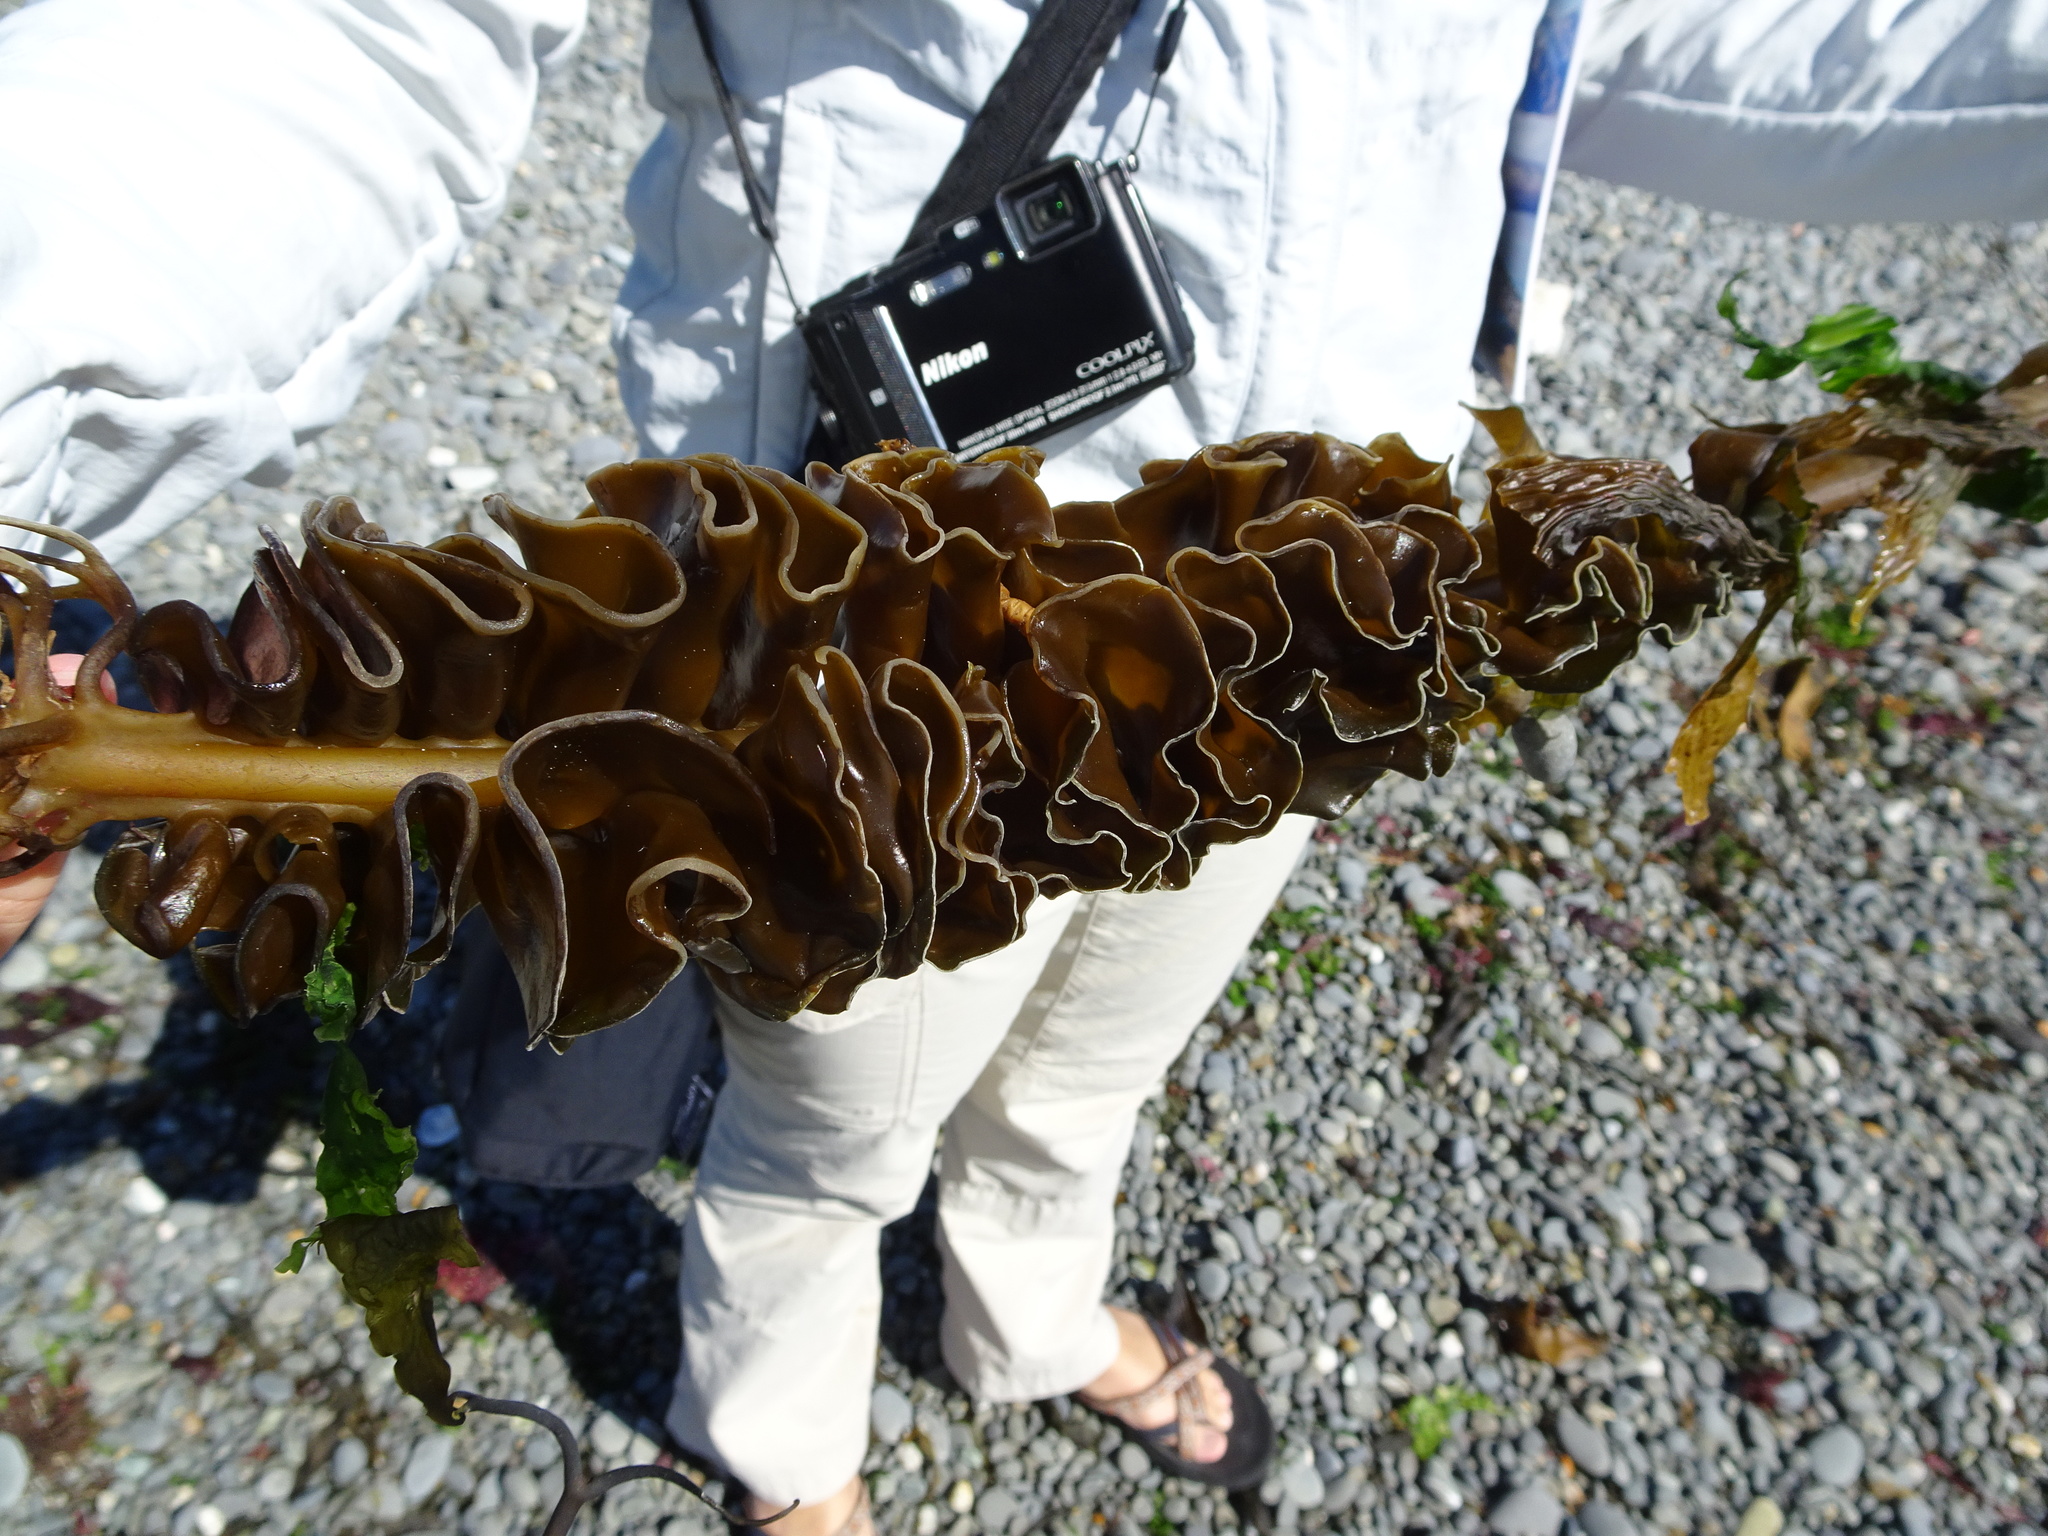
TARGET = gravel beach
x,y
1739,1125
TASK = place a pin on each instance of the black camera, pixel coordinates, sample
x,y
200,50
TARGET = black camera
x,y
1050,306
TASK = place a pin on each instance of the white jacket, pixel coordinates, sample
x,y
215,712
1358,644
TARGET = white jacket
x,y
211,213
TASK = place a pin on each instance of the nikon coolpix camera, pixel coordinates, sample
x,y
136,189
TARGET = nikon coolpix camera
x,y
1051,306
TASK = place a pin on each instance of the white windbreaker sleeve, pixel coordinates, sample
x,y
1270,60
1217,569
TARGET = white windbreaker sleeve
x,y
212,212
1832,111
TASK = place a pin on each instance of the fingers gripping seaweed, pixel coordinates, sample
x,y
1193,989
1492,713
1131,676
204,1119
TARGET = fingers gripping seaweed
x,y
810,732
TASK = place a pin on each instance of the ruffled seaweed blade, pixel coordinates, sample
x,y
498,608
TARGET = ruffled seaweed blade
x,y
812,733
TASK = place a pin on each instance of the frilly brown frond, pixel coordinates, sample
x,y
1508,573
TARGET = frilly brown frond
x,y
814,732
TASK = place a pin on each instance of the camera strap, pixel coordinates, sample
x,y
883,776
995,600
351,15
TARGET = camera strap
x,y
757,195
1062,51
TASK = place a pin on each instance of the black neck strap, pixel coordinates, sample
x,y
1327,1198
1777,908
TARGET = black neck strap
x,y
1062,51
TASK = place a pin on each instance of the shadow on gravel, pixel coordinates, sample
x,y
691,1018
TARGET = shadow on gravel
x,y
911,1295
208,1109
596,1267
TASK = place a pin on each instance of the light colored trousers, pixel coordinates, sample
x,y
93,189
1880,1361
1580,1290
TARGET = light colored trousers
x,y
1034,1060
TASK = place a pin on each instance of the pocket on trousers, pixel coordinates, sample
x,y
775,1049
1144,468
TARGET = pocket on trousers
x,y
860,1077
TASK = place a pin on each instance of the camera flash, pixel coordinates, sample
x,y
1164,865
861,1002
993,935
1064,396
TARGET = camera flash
x,y
939,284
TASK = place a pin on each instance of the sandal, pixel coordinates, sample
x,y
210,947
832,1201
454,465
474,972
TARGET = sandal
x,y
1249,1441
860,1520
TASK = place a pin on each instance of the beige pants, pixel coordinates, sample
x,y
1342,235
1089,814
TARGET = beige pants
x,y
1035,1060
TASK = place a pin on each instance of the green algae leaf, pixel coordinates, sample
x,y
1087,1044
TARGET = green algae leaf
x,y
330,989
363,1156
2018,488
389,1261
1852,344
389,1266
1427,1418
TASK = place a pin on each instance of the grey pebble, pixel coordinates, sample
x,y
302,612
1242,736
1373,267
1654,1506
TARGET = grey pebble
x,y
1798,1247
1599,1043
1599,1518
14,1471
437,1126
1549,744
996,1508
1727,1267
1340,1494
1622,720
1212,1281
1265,1342
1725,1221
427,1464
1245,1239
1131,1460
1837,1454
403,440
1584,1441
889,1413
1916,1518
271,1387
1518,890
1419,893
348,1462
464,292
1791,1311
1352,875
1611,1103
1965,1311
2009,574
587,455
1532,1510
1300,1482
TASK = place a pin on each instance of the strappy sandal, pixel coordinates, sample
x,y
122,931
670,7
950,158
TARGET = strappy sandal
x,y
1248,1447
860,1520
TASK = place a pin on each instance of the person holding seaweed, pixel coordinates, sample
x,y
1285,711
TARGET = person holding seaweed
x,y
187,295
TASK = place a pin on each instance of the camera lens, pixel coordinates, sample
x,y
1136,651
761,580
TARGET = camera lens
x,y
1048,211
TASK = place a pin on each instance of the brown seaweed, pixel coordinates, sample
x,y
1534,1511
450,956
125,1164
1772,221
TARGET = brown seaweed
x,y
813,732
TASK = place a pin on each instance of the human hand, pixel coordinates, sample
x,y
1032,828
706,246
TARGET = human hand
x,y
22,896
